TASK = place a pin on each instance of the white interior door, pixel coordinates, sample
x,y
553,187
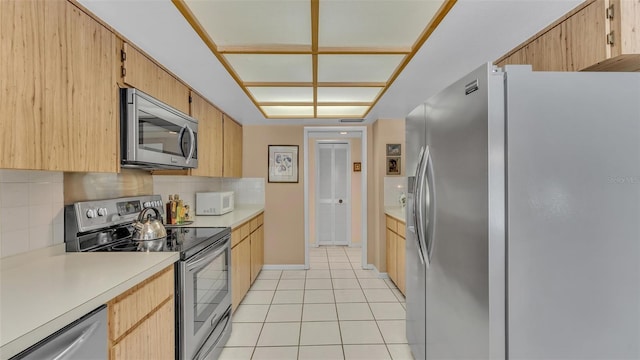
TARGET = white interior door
x,y
333,194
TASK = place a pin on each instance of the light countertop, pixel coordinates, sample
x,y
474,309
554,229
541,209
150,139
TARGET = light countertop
x,y
44,290
396,212
238,216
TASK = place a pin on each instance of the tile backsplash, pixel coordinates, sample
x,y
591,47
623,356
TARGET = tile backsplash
x,y
248,191
393,187
31,210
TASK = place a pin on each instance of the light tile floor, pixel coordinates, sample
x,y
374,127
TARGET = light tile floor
x,y
333,311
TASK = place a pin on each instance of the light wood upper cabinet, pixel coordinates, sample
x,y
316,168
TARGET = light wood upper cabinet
x,y
232,148
549,52
142,73
58,109
22,29
210,144
80,129
587,37
598,35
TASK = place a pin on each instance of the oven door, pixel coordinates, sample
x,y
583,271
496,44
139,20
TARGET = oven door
x,y
158,134
205,306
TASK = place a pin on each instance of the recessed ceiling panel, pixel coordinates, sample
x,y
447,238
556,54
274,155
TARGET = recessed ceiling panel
x,y
357,68
342,110
288,111
308,58
254,22
348,94
380,23
271,67
281,94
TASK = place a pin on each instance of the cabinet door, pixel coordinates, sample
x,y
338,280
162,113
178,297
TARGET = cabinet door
x,y
232,148
586,37
152,339
391,255
80,129
22,31
401,264
209,137
549,51
236,277
245,263
255,255
144,74
261,253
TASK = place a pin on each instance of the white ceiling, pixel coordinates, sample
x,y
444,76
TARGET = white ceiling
x,y
474,32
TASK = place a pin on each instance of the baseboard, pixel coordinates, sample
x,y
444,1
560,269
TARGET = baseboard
x,y
284,267
379,275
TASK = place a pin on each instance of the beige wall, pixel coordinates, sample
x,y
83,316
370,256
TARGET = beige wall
x,y
384,131
284,202
356,190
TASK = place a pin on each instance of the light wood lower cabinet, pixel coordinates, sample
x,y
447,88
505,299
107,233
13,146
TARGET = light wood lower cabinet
x,y
247,257
142,320
396,252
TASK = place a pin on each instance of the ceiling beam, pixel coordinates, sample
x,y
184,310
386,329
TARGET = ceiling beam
x,y
312,103
308,50
310,84
315,23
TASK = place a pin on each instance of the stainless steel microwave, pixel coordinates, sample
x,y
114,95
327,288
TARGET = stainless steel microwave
x,y
154,135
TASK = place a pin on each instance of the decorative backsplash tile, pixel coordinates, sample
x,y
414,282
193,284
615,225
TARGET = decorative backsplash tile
x,y
31,210
394,186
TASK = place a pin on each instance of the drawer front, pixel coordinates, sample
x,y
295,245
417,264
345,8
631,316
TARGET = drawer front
x,y
236,236
153,339
245,230
402,229
392,224
253,223
129,308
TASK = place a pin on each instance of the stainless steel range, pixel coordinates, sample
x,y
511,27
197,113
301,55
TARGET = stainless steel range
x,y
203,279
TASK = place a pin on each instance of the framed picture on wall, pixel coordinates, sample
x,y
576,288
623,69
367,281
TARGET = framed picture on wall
x,y
283,163
393,165
393,150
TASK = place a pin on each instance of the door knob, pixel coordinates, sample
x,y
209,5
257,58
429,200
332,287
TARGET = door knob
x,y
340,201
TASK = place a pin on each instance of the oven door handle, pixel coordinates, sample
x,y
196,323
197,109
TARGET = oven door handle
x,y
194,264
212,342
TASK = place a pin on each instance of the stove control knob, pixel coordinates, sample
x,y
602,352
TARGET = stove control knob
x,y
158,203
91,213
102,212
146,204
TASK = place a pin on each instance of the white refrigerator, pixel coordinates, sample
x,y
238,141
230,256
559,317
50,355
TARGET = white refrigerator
x,y
523,217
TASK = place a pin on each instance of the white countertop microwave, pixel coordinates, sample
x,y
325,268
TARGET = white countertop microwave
x,y
214,203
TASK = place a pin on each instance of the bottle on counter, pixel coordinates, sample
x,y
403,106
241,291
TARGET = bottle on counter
x,y
180,211
174,209
169,213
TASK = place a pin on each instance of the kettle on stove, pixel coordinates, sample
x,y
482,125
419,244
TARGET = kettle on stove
x,y
150,233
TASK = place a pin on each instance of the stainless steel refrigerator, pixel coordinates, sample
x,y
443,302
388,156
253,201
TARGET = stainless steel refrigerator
x,y
523,217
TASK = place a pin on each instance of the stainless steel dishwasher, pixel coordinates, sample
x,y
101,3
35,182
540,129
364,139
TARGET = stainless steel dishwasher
x,y
84,339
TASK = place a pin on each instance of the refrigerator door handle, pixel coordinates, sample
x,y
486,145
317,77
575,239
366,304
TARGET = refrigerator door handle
x,y
430,177
416,201
420,224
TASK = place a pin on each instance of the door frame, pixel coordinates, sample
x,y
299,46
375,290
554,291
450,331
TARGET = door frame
x,y
348,181
311,131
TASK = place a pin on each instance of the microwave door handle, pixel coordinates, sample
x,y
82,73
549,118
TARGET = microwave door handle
x,y
180,136
192,147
